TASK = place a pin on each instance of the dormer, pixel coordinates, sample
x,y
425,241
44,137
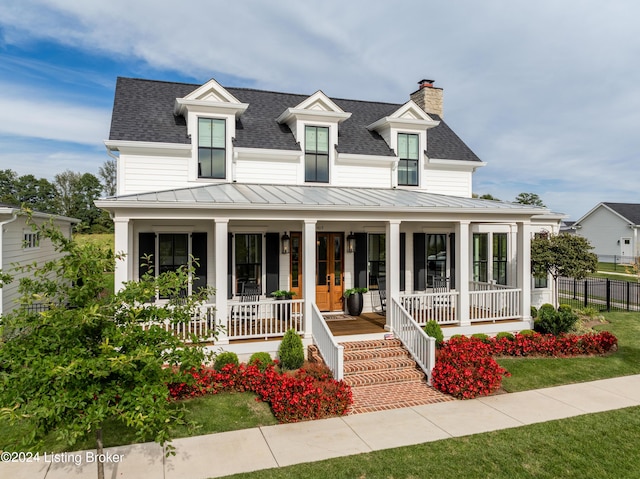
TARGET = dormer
x,y
314,124
210,112
405,131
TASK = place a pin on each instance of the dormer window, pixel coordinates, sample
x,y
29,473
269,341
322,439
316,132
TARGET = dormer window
x,y
211,148
316,154
408,154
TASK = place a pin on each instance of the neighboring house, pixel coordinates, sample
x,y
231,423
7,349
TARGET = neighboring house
x,y
19,244
613,231
567,227
316,195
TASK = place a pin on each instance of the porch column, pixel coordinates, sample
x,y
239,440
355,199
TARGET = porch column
x,y
221,246
392,253
123,244
524,269
308,272
463,253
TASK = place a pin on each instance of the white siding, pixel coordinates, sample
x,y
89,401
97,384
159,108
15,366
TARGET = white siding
x,y
152,173
604,229
447,182
267,171
369,176
13,252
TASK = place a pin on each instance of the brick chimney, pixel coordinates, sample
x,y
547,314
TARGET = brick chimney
x,y
428,97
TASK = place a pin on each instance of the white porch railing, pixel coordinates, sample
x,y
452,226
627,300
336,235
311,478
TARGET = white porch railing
x,y
202,324
494,304
264,319
481,286
331,351
423,307
421,346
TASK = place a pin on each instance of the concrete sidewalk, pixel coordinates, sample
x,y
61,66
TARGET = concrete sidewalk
x,y
232,452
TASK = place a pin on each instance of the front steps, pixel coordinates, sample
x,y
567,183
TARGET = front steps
x,y
383,376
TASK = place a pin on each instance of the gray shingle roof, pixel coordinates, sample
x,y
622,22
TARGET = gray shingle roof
x,y
287,197
143,111
630,211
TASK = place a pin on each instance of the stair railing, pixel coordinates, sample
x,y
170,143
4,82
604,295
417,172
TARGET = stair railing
x,y
331,351
421,346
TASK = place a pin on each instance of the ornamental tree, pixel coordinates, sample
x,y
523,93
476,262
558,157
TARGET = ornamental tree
x,y
562,255
93,355
529,199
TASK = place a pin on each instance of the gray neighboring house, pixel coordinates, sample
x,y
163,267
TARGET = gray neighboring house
x,y
20,244
612,229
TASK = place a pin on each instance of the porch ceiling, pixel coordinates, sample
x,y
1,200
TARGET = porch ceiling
x,y
306,197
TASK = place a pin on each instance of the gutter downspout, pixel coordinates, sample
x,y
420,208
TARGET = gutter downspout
x,y
2,224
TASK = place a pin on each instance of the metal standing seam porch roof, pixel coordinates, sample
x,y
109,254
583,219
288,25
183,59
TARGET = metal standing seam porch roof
x,y
296,197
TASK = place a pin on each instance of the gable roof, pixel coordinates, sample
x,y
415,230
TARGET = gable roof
x,y
143,110
627,211
630,211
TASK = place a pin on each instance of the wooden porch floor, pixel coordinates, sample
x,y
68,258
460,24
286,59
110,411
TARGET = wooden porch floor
x,y
366,323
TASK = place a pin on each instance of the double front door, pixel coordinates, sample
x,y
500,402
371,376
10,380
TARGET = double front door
x,y
329,269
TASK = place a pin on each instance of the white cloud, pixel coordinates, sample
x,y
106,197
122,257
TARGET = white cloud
x,y
545,92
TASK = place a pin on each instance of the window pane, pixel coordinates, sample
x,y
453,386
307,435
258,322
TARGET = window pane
x,y
204,132
217,164
248,259
310,138
412,149
323,140
412,173
218,135
402,145
322,168
377,253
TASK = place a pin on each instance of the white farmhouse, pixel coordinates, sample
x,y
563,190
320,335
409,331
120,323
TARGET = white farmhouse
x,y
316,195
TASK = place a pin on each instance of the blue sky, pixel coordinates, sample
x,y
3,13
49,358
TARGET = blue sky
x,y
545,92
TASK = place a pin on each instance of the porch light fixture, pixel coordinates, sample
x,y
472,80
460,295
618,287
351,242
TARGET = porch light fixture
x,y
351,243
285,242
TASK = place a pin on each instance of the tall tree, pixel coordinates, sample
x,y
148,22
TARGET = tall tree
x,y
529,199
562,255
92,357
107,174
76,193
8,180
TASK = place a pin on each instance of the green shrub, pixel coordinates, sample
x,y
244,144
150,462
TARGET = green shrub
x,y
505,334
291,351
554,322
433,329
527,332
224,358
456,336
482,337
534,312
262,360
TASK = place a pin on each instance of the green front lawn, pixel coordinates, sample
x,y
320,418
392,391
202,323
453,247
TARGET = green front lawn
x,y
535,373
603,445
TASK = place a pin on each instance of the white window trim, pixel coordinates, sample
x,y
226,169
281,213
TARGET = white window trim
x,y
333,141
230,132
422,147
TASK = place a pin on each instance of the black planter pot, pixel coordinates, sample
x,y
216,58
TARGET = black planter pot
x,y
355,303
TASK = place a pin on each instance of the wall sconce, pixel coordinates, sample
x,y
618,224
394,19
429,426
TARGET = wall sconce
x,y
285,242
351,243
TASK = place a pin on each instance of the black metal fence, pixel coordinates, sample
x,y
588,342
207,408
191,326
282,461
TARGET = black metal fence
x,y
600,293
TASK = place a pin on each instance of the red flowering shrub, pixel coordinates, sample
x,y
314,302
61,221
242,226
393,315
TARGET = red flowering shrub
x,y
466,369
292,398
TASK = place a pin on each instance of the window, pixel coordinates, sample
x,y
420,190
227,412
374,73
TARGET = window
x,y
436,259
500,258
480,246
544,281
377,254
248,258
408,148
211,148
173,252
316,154
30,239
